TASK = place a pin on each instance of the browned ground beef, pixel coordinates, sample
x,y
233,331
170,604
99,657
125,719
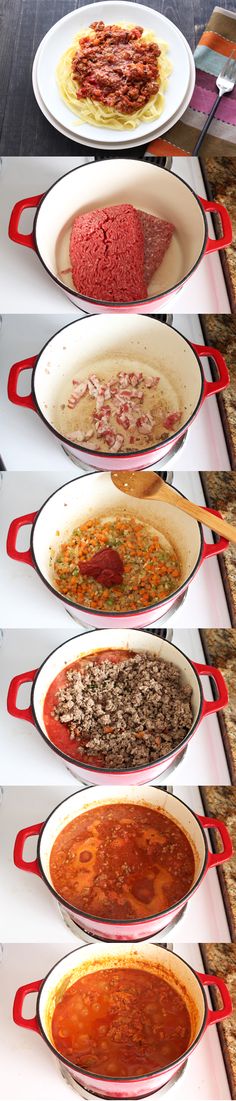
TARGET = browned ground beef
x,y
143,701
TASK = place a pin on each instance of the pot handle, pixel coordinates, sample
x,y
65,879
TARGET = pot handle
x,y
26,865
214,823
24,1022
210,706
15,372
13,231
20,712
215,1015
227,236
210,549
19,522
224,377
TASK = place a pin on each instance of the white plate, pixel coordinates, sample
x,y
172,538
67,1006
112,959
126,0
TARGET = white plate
x,y
124,144
61,36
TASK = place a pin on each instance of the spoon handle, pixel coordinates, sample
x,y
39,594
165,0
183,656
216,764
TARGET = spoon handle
x,y
221,527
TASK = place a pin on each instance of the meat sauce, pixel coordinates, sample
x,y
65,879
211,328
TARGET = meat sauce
x,y
59,734
122,861
116,67
121,1022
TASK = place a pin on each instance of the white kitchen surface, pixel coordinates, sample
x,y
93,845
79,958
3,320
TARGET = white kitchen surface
x,y
28,906
30,1070
27,444
25,284
25,757
26,601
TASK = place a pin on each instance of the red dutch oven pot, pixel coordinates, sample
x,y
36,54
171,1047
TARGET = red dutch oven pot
x,y
137,641
145,340
93,494
108,183
176,972
132,929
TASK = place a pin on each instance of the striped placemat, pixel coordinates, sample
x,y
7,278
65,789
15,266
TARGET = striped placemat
x,y
215,45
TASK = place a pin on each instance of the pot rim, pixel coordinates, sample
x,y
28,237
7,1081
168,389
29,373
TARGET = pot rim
x,y
138,1077
139,301
95,768
108,454
128,921
100,612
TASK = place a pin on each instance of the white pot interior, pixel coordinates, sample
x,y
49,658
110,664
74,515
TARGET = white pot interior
x,y
95,494
81,346
83,801
96,957
108,183
127,639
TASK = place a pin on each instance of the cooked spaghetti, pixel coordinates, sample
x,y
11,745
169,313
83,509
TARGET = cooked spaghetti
x,y
114,76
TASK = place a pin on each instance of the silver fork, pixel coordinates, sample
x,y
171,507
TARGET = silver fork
x,y
225,83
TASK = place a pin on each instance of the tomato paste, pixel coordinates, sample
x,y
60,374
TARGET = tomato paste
x,y
105,566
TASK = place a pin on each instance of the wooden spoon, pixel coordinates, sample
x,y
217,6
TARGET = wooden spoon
x,y
147,486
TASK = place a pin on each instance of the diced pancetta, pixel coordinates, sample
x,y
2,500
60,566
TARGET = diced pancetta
x,y
124,378
79,393
127,395
150,382
145,422
95,381
100,400
105,411
109,437
81,437
171,420
113,440
135,378
127,410
72,401
119,440
102,425
124,420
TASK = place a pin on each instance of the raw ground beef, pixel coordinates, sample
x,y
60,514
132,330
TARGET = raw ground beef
x,y
130,713
157,237
114,252
107,254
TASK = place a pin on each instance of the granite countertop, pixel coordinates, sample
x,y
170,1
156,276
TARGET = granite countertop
x,y
221,959
220,493
220,650
220,330
220,802
220,175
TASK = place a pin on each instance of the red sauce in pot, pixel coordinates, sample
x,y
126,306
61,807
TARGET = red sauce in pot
x,y
121,1022
122,861
59,733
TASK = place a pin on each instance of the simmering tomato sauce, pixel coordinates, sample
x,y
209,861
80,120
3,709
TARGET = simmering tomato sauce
x,y
59,733
122,861
121,1022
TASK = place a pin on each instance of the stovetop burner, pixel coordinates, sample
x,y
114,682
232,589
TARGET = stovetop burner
x,y
88,938
174,450
88,1094
171,768
163,777
174,607
163,619
166,633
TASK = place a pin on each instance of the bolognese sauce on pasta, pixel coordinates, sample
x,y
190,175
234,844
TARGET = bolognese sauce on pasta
x,y
114,75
